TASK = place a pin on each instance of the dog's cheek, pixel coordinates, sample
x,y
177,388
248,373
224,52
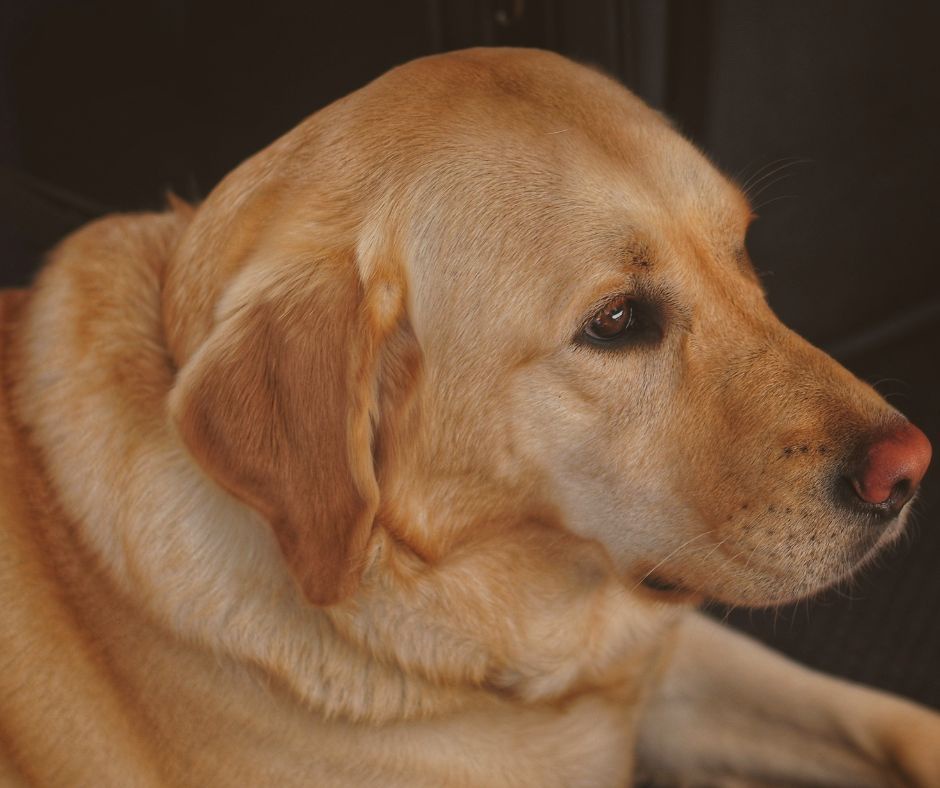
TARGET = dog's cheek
x,y
602,463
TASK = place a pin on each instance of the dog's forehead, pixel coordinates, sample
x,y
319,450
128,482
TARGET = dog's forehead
x,y
565,169
538,137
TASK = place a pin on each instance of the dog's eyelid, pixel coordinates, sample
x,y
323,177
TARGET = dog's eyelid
x,y
646,326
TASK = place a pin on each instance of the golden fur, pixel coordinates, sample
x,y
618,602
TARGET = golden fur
x,y
315,485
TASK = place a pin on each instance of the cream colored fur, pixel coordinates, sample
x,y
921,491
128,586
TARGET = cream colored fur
x,y
415,263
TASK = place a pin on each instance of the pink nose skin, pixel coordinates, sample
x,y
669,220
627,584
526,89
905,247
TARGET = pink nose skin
x,y
893,467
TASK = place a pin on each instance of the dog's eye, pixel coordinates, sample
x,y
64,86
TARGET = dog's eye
x,y
612,320
623,322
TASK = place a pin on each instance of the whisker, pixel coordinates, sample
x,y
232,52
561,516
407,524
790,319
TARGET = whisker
x,y
717,545
786,161
673,554
752,184
881,381
889,395
770,202
765,187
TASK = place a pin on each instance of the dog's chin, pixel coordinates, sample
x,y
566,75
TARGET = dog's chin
x,y
755,591
727,583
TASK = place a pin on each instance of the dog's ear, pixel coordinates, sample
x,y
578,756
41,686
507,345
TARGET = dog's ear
x,y
278,406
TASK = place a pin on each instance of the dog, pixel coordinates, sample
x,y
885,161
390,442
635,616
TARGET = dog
x,y
406,458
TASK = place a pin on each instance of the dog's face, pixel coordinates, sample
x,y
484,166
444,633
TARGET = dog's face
x,y
561,319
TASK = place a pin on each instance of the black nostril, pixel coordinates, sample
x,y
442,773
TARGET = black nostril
x,y
846,494
901,493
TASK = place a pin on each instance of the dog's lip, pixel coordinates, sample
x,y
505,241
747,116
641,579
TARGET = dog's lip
x,y
664,589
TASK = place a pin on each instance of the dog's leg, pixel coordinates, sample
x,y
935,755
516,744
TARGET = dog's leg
x,y
731,712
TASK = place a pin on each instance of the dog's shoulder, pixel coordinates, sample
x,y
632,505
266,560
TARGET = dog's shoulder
x,y
17,486
51,675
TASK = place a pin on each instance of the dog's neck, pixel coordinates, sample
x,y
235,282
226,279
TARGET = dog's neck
x,y
94,381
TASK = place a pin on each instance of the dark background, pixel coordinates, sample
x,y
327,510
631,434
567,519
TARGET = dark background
x,y
829,109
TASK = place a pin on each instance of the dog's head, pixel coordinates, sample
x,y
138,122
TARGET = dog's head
x,y
494,285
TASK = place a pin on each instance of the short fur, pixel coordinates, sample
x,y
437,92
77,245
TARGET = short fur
x,y
319,484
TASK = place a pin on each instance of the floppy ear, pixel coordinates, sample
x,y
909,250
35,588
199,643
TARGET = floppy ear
x,y
277,406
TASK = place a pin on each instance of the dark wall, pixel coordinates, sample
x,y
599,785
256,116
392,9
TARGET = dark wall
x,y
827,109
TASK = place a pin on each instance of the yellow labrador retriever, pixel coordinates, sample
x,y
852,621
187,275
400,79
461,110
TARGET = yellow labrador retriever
x,y
405,458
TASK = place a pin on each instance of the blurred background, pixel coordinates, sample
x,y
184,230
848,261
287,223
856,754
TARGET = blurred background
x,y
827,110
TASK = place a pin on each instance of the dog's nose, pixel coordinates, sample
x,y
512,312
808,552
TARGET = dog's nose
x,y
888,471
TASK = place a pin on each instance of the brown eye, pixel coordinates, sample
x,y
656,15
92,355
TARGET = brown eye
x,y
611,320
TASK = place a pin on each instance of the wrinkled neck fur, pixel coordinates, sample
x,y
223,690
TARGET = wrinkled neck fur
x,y
93,391
419,639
